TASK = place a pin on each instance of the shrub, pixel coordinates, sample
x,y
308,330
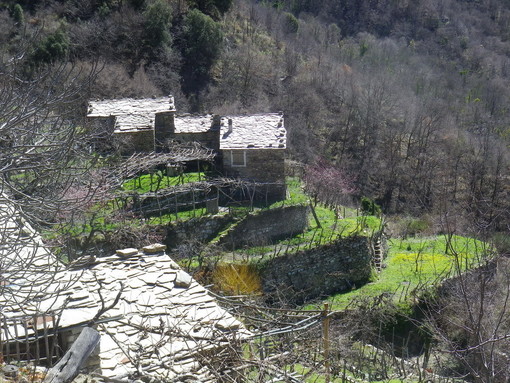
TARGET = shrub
x,y
213,8
157,23
502,243
369,207
53,48
17,14
416,226
202,44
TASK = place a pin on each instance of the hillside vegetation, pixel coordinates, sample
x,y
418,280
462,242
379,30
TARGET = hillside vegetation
x,y
398,106
408,98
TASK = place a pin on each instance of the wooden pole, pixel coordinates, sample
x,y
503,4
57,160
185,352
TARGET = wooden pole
x,y
68,367
325,333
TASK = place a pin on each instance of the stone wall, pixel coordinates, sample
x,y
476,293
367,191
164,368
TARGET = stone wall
x,y
101,130
201,229
154,204
321,271
209,139
131,142
261,165
267,227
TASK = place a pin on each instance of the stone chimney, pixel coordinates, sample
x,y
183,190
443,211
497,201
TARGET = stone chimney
x,y
229,125
164,128
216,121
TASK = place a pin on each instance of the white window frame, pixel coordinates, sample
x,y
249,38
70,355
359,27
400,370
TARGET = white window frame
x,y
232,159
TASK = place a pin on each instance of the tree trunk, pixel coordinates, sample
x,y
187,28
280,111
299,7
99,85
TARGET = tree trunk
x,y
68,367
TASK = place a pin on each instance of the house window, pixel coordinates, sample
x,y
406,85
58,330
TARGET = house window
x,y
238,158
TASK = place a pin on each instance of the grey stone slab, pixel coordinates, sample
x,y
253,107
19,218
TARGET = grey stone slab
x,y
135,282
126,252
154,248
150,277
167,278
182,279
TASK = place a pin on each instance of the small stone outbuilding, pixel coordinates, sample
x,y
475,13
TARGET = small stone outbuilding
x,y
127,124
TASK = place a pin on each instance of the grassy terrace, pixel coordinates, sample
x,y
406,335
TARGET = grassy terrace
x,y
153,182
333,224
101,216
414,265
107,216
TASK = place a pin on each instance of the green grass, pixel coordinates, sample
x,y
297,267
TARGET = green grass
x,y
181,215
312,376
319,377
333,228
295,194
153,182
96,218
330,230
333,225
414,265
102,223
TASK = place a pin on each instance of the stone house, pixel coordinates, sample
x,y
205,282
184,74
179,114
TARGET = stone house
x,y
155,321
249,147
129,124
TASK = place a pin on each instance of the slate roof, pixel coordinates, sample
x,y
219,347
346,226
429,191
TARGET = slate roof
x,y
25,264
131,114
193,123
179,317
162,322
256,131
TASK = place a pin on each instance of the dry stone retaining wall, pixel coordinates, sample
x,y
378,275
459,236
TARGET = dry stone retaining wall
x,y
321,271
201,229
267,226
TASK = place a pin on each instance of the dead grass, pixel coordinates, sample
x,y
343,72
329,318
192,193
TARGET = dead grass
x,y
237,279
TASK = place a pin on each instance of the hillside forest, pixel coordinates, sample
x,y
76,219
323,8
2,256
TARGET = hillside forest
x,y
409,99
399,105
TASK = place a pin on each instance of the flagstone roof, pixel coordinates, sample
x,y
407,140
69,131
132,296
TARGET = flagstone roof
x,y
131,114
159,319
256,131
167,317
25,263
193,123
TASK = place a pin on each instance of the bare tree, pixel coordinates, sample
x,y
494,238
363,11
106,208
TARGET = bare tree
x,y
469,324
41,159
40,138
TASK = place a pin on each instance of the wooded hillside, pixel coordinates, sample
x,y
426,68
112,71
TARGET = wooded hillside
x,y
407,98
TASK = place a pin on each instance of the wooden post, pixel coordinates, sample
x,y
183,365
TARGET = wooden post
x,y
193,196
68,367
18,352
7,356
325,334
